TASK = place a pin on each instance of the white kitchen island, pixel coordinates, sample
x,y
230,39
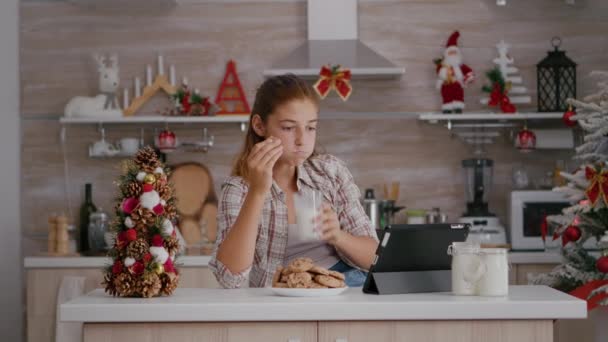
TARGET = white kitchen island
x,y
259,315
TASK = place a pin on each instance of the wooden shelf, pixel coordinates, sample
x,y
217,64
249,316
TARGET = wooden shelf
x,y
156,119
499,117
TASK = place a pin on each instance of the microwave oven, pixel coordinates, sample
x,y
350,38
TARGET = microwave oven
x,y
528,208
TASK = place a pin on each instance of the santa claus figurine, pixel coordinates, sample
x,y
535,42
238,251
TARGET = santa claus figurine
x,y
453,76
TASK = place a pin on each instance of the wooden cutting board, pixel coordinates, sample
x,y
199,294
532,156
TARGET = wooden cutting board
x,y
195,200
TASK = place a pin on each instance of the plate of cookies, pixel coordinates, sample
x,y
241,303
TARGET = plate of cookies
x,y
302,278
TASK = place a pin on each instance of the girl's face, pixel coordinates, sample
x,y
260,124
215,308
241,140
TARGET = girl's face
x,y
295,123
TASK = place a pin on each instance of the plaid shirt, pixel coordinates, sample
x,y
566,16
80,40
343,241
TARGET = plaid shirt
x,y
324,173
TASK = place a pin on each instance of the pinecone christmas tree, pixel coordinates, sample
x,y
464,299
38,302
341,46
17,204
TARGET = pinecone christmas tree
x,y
581,273
146,242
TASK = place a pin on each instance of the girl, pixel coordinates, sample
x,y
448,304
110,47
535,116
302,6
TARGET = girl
x,y
256,210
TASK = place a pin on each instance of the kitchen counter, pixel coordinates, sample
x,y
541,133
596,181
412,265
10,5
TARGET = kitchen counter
x,y
539,257
260,304
526,315
98,262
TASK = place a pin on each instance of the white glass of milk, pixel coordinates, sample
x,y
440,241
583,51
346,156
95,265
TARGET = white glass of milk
x,y
495,280
307,204
467,267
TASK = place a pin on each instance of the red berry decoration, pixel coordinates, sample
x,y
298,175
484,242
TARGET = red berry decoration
x,y
567,117
602,264
131,235
573,233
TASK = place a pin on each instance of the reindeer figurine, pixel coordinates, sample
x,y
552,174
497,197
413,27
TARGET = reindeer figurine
x,y
104,104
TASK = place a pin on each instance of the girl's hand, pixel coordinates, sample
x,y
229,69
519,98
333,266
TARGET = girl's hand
x,y
328,226
260,162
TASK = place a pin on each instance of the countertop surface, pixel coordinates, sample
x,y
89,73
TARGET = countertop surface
x,y
539,257
98,262
261,304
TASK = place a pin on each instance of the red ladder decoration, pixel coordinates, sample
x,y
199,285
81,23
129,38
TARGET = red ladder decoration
x,y
231,97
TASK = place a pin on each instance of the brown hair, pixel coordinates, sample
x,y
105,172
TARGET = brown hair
x,y
272,93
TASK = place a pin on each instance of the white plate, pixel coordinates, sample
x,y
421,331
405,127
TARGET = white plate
x,y
287,292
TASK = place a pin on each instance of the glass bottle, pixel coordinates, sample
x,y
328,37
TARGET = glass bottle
x,y
85,212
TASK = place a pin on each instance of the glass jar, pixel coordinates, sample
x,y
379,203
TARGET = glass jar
x,y
98,226
467,267
495,280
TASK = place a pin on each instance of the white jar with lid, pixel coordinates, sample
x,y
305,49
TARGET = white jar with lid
x,y
495,280
467,267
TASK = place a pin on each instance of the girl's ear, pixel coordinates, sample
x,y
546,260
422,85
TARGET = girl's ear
x,y
258,125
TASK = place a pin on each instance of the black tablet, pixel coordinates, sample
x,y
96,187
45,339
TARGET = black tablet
x,y
414,258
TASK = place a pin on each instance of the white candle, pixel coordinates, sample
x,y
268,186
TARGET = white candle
x,y
172,74
161,68
196,91
185,81
125,98
148,75
137,87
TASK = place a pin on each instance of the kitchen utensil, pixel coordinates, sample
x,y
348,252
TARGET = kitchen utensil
x,y
128,146
387,211
485,227
195,200
371,207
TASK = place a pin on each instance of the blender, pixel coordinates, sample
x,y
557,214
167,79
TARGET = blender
x,y
485,226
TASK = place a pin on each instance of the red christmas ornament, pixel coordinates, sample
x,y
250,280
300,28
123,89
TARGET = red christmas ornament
x,y
157,240
602,264
526,140
117,267
147,258
573,233
121,240
567,115
137,268
166,141
129,204
131,234
169,266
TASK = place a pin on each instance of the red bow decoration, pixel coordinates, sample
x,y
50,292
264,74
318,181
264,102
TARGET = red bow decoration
x,y
497,96
334,77
598,185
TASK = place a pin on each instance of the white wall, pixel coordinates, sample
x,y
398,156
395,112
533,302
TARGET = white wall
x,y
11,297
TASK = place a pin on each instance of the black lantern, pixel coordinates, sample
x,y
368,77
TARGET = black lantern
x,y
556,77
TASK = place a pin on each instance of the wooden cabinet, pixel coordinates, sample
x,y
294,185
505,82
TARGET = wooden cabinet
x,y
427,331
203,332
352,331
43,285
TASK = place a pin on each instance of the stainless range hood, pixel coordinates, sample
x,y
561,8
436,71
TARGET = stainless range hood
x,y
333,39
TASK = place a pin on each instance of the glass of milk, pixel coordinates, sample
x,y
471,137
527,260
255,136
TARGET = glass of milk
x,y
308,206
